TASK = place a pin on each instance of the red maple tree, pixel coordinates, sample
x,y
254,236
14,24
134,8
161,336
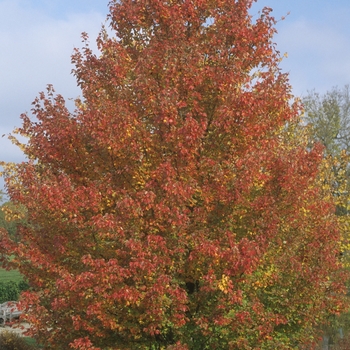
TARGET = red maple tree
x,y
175,208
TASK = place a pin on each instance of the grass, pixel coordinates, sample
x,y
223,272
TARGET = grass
x,y
31,342
12,275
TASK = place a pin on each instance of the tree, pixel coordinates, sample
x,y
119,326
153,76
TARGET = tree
x,y
329,115
175,208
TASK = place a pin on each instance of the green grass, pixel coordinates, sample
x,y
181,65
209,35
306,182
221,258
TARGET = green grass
x,y
30,341
12,275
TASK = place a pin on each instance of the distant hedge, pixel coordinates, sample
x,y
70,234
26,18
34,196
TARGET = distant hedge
x,y
10,291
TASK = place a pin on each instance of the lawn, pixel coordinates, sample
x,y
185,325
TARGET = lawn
x,y
12,275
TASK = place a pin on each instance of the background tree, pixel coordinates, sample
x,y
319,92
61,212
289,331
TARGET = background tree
x,y
176,208
328,117
10,216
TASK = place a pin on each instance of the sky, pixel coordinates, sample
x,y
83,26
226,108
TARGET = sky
x,y
37,38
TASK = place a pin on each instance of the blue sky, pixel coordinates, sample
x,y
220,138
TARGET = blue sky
x,y
37,38
316,36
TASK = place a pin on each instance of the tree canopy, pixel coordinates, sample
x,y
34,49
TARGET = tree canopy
x,y
175,207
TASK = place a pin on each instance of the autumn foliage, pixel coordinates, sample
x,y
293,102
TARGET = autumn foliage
x,y
176,207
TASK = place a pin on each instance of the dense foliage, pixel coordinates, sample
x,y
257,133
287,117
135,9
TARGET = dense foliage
x,y
176,208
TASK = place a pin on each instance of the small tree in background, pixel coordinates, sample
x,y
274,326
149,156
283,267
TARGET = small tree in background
x,y
176,208
329,115
10,216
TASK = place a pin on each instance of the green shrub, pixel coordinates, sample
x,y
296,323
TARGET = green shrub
x,y
12,341
23,285
9,291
